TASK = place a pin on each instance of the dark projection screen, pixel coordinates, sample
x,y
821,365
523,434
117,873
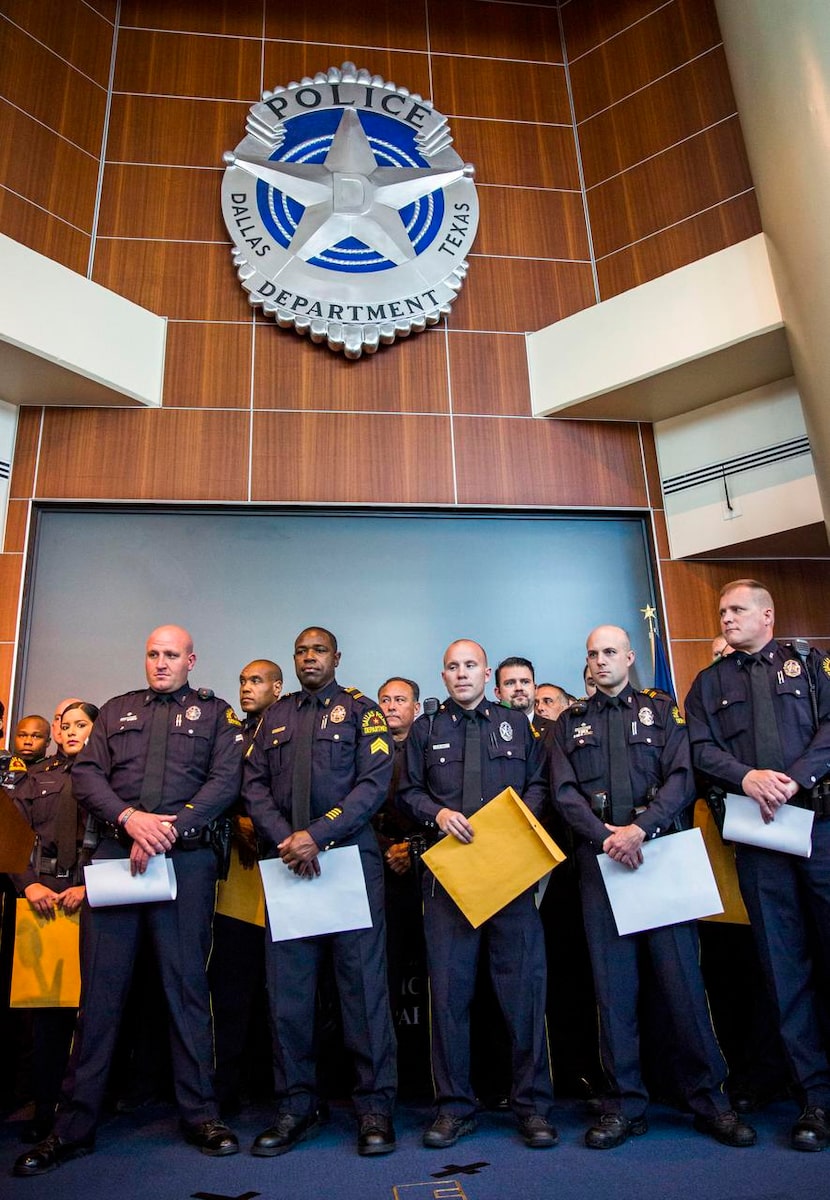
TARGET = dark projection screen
x,y
395,589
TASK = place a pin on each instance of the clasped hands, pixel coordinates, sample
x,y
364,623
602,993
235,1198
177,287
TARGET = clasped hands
x,y
45,902
152,833
623,845
299,853
770,790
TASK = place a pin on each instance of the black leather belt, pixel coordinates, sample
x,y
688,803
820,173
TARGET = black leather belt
x,y
49,866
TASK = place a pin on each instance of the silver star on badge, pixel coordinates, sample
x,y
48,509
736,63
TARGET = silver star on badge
x,y
349,195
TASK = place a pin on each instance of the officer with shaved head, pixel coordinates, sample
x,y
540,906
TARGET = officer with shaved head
x,y
457,761
621,774
161,764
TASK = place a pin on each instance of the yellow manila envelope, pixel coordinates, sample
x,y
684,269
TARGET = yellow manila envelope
x,y
722,858
241,895
508,854
46,972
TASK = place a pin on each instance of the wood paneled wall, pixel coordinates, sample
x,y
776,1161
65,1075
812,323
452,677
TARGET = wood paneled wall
x,y
608,151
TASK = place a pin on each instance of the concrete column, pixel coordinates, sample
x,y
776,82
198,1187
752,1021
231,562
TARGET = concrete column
x,y
779,59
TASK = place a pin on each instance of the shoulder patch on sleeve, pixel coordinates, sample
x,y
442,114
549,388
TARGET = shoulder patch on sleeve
x,y
676,715
232,718
373,722
825,665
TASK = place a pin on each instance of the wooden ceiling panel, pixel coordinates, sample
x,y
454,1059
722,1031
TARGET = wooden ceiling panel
x,y
351,458
407,377
144,454
548,462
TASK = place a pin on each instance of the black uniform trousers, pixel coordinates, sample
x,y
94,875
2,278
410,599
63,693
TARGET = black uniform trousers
x,y
292,971
788,901
237,988
180,935
514,943
674,954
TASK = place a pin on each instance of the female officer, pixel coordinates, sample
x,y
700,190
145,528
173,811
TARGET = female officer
x,y
53,880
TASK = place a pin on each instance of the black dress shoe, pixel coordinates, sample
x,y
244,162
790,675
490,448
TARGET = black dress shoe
x,y
212,1137
812,1130
726,1128
537,1132
287,1130
613,1129
49,1154
445,1131
375,1134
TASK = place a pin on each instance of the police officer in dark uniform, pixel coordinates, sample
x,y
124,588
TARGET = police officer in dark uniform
x,y
444,786
759,724
52,880
237,964
549,702
318,770
621,773
401,843
160,766
28,748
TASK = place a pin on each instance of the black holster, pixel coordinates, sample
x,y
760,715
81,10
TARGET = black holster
x,y
716,799
216,834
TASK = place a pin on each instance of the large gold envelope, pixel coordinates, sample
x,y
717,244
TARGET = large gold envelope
x,y
46,972
241,895
722,858
508,854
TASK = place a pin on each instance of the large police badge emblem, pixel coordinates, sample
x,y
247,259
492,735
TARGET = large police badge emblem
x,y
350,212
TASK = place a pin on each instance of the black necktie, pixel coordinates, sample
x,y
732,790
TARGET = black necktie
x,y
397,767
622,801
151,798
471,785
66,826
768,754
301,776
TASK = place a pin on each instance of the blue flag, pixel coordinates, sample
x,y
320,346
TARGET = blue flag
x,y
662,674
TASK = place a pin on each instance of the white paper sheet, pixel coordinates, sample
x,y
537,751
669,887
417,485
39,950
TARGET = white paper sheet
x,y
791,831
110,882
674,883
331,902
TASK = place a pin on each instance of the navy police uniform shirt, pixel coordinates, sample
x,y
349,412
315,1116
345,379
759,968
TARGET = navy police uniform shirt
x,y
658,757
351,766
44,789
511,757
719,712
202,764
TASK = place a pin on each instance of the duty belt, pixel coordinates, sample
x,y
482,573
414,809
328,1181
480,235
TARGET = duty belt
x,y
817,800
49,866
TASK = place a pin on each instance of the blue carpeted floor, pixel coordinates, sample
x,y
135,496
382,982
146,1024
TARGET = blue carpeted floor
x,y
141,1157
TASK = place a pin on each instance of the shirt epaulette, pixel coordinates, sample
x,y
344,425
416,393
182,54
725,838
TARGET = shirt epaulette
x,y
354,692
